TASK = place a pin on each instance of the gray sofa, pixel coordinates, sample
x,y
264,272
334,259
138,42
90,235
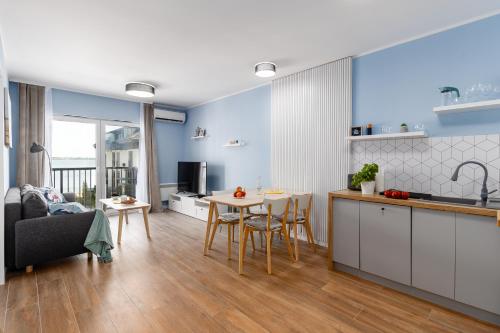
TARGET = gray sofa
x,y
37,240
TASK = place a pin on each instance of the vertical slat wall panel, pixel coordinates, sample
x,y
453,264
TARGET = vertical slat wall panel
x,y
310,117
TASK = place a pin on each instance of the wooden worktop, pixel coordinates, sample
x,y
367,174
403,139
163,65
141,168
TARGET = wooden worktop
x,y
417,203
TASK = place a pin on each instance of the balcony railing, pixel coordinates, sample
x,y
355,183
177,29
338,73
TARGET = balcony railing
x,y
83,182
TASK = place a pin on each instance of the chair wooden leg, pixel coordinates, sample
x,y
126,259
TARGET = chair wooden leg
x,y
289,230
89,255
302,228
289,246
309,231
213,234
268,248
245,239
253,241
296,241
229,241
29,269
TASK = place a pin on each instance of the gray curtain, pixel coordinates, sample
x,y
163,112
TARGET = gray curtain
x,y
153,184
30,167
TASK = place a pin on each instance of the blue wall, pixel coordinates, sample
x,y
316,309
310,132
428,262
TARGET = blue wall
x,y
245,116
400,84
73,103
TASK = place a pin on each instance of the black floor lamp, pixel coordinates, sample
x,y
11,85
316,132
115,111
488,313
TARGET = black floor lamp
x,y
36,148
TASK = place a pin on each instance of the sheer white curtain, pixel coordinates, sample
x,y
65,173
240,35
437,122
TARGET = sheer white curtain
x,y
48,134
142,183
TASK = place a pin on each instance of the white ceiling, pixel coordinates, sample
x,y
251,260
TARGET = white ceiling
x,y
198,50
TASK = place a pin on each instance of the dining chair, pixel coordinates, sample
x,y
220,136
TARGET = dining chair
x,y
301,214
226,218
258,211
270,224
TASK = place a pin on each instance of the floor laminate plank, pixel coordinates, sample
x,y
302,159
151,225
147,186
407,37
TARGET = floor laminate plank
x,y
56,312
23,320
22,291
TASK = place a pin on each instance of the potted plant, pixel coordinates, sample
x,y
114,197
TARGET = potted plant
x,y
366,178
403,128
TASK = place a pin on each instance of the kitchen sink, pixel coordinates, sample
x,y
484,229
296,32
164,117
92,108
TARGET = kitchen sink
x,y
460,201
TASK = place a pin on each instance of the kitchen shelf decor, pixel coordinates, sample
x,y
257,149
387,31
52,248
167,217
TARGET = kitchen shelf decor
x,y
406,135
466,107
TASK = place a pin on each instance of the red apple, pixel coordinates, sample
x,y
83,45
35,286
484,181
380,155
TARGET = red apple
x,y
405,195
388,193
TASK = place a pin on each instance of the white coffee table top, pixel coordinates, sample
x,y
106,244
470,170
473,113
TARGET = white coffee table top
x,y
136,205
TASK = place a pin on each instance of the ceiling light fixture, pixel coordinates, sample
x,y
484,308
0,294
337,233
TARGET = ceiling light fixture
x,y
265,69
140,89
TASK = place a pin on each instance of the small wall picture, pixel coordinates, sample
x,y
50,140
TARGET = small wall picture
x,y
356,131
6,118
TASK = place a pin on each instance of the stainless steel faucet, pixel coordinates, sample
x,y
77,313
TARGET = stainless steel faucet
x,y
484,189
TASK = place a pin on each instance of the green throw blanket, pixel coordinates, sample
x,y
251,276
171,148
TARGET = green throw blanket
x,y
99,239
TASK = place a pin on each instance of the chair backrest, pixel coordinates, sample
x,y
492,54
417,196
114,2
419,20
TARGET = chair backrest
x,y
303,201
278,205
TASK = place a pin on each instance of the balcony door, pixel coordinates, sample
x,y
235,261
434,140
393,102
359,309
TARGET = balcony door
x,y
95,158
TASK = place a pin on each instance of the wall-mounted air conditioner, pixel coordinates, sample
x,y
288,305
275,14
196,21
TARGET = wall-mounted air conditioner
x,y
170,116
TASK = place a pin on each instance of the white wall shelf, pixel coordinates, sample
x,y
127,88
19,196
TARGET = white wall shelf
x,y
239,144
406,135
199,137
476,106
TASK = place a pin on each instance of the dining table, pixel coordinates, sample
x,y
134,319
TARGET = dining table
x,y
253,198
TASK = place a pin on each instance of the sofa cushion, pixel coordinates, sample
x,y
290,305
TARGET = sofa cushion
x,y
51,194
26,188
34,204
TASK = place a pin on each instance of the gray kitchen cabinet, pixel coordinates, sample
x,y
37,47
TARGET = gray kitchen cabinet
x,y
477,277
433,251
346,232
385,241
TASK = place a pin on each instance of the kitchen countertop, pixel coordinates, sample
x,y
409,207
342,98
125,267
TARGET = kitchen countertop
x,y
418,203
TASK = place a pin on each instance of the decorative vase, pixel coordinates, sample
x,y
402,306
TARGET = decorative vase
x,y
368,187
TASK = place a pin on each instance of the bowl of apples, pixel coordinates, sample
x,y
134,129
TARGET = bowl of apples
x,y
239,193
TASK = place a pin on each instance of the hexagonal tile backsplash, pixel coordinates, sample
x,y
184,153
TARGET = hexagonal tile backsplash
x,y
426,165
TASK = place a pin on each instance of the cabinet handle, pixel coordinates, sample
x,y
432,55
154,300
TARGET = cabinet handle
x,y
383,208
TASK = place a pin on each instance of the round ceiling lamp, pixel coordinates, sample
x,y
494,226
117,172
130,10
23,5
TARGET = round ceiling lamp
x,y
140,89
265,69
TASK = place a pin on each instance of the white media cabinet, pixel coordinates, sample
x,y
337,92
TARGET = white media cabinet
x,y
188,205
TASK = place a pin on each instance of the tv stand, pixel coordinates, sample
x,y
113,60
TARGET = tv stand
x,y
189,204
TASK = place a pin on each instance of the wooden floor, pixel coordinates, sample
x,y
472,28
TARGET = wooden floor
x,y
167,285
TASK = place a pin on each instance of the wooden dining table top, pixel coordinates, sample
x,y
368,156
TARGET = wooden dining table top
x,y
252,198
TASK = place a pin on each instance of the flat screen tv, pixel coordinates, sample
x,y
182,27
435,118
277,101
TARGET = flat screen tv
x,y
192,177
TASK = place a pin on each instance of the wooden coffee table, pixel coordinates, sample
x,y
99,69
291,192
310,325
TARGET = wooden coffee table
x,y
123,210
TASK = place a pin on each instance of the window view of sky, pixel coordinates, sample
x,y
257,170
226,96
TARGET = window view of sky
x,y
71,139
